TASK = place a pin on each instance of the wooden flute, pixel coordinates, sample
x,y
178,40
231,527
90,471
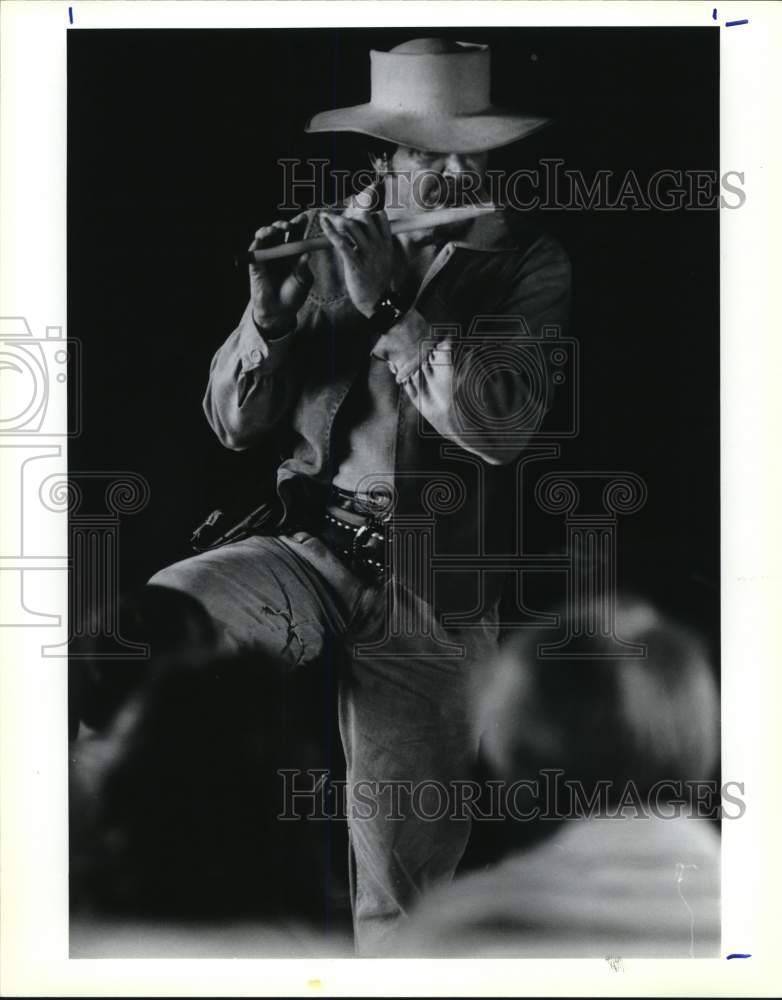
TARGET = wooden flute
x,y
401,222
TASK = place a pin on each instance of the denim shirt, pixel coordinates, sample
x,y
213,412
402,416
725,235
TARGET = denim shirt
x,y
473,391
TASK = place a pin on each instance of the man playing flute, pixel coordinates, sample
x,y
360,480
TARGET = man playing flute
x,y
398,409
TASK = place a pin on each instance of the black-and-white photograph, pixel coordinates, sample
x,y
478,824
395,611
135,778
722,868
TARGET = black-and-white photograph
x,y
387,553
407,345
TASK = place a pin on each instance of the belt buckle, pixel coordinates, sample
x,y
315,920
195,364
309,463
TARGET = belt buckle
x,y
360,538
360,547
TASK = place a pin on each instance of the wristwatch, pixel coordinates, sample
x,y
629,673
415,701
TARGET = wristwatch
x,y
388,310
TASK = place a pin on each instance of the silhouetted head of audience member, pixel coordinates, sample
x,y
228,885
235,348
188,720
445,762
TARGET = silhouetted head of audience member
x,y
104,669
182,819
614,717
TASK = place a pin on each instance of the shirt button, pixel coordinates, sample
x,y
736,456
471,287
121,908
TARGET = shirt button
x,y
255,354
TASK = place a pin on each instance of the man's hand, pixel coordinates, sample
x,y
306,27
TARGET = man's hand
x,y
365,246
277,289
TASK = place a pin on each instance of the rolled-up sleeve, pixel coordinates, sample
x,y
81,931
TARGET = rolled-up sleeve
x,y
487,388
252,384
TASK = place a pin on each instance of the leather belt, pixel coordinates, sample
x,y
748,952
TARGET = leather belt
x,y
360,541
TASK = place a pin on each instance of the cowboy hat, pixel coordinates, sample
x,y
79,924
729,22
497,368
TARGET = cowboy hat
x,y
431,94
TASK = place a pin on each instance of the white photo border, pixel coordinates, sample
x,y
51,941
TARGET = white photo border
x,y
33,737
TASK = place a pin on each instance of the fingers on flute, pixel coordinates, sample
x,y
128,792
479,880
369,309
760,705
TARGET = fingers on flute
x,y
350,234
302,273
333,234
383,225
269,236
375,223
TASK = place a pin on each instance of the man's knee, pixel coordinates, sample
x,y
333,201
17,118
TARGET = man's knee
x,y
187,576
255,596
188,589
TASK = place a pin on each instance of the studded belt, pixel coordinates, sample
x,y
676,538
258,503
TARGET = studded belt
x,y
360,541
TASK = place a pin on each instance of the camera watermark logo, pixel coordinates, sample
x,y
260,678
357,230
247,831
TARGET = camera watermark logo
x,y
41,381
534,376
46,526
512,398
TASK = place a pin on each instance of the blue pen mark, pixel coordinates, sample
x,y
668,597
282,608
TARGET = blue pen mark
x,y
70,14
737,954
714,14
731,24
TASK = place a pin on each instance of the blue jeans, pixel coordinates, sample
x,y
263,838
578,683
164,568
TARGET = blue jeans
x,y
406,698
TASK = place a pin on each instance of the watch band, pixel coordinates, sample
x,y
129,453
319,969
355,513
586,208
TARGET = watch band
x,y
388,310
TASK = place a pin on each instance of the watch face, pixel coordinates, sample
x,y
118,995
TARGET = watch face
x,y
393,302
388,309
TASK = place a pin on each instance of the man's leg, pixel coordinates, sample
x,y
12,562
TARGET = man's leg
x,y
269,594
407,719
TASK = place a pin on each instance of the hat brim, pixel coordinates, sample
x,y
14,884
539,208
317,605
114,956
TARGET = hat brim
x,y
473,133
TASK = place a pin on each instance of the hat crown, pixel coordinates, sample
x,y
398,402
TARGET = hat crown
x,y
432,76
428,46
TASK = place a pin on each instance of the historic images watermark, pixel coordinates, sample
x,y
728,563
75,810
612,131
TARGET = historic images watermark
x,y
312,795
42,405
551,185
536,376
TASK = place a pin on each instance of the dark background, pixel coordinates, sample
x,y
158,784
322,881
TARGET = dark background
x,y
173,138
